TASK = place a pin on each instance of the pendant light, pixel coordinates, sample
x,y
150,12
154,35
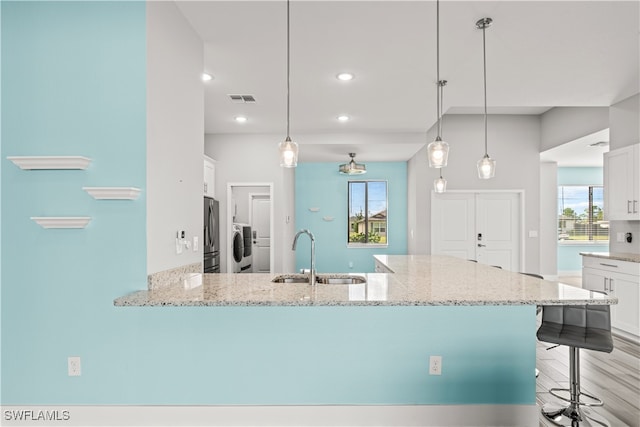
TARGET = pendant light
x,y
486,165
288,148
352,168
440,184
438,150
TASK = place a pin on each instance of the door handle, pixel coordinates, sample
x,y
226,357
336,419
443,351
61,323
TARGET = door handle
x,y
480,245
629,206
610,285
635,209
606,289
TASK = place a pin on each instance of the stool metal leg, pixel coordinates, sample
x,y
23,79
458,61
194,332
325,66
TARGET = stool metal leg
x,y
572,415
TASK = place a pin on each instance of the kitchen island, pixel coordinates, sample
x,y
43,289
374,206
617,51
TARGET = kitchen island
x,y
355,354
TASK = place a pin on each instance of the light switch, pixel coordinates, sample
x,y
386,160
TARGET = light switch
x,y
195,243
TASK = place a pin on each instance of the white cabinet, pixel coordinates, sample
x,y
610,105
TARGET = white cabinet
x,y
622,183
209,177
621,279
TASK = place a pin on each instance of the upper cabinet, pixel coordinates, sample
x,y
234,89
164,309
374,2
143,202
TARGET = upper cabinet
x,y
622,183
209,177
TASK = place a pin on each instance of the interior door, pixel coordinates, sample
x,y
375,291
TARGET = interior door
x,y
480,226
261,239
498,229
453,225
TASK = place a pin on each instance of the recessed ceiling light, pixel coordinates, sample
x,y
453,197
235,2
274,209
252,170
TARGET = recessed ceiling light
x,y
240,119
344,118
206,77
345,77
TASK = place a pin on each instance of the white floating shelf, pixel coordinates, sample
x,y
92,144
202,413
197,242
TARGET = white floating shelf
x,y
113,193
50,162
314,209
328,218
62,221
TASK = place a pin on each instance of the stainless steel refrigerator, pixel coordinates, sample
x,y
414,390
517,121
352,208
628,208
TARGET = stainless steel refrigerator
x,y
211,245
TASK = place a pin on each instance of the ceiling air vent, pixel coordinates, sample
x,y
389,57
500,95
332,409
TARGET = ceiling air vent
x,y
242,99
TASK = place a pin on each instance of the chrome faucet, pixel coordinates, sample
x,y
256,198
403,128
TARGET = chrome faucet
x,y
312,272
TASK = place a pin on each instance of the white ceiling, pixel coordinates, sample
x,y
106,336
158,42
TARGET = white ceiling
x,y
540,54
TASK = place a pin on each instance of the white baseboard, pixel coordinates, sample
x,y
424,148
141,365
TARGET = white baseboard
x,y
329,415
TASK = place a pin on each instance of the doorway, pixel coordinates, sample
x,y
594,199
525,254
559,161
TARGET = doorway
x,y
260,220
250,203
482,226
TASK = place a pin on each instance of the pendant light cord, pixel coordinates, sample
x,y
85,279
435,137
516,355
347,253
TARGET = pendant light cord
x,y
288,72
439,91
484,60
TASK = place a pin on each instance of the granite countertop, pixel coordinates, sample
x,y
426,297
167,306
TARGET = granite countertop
x,y
619,256
419,280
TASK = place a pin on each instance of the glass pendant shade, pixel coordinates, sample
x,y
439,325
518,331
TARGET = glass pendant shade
x,y
288,153
438,152
440,185
486,167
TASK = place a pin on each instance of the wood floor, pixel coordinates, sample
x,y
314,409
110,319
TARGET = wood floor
x,y
613,377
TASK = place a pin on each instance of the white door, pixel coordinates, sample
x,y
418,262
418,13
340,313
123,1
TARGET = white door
x,y
479,226
260,224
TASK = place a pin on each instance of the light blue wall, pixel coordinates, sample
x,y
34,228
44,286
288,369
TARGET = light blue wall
x,y
73,79
319,185
569,259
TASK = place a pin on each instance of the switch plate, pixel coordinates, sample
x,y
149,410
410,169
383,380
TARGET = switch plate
x,y
620,237
435,365
195,243
74,367
533,233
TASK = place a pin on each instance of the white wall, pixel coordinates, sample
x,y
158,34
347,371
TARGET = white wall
x,y
175,134
254,159
565,124
548,219
624,123
513,142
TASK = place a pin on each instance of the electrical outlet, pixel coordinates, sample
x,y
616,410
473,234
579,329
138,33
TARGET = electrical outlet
x,y
73,366
435,365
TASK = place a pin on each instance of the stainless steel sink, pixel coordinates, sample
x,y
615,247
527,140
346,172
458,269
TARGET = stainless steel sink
x,y
323,279
340,279
291,278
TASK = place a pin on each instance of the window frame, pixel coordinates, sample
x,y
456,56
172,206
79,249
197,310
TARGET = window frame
x,y
366,216
591,240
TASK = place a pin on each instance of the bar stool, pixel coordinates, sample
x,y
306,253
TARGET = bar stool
x,y
576,326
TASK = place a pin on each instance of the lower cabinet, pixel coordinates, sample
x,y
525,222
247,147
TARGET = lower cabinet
x,y
616,278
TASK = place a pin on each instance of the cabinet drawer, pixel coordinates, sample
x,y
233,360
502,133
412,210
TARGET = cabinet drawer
x,y
610,265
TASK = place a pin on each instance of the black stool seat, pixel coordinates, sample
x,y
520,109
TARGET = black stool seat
x,y
576,326
583,326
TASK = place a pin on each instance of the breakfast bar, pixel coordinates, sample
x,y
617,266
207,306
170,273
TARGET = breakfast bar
x,y
360,347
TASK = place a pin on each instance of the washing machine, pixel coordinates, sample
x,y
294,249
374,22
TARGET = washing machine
x,y
237,248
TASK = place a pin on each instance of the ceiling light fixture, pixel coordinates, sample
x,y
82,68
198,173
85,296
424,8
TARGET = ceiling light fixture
x,y
345,77
240,119
440,184
206,77
486,165
438,150
343,118
288,149
352,168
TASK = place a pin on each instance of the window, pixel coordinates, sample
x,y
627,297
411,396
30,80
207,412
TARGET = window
x,y
367,213
581,215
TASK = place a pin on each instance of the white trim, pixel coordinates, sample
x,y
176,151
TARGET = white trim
x,y
113,193
50,162
62,221
321,415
